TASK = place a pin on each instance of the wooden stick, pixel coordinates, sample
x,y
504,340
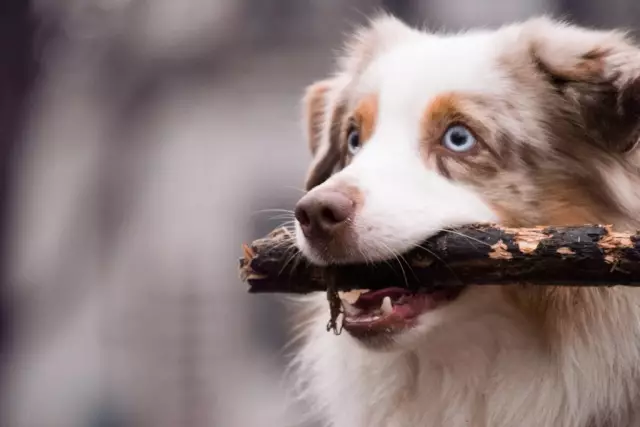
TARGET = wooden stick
x,y
590,255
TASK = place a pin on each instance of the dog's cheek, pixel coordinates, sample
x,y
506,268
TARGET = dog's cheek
x,y
519,206
513,216
528,203
512,207
511,196
573,202
474,169
520,198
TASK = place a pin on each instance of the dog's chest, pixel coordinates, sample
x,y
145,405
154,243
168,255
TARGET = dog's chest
x,y
480,387
397,395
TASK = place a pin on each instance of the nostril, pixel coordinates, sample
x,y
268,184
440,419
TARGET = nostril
x,y
337,210
302,216
329,215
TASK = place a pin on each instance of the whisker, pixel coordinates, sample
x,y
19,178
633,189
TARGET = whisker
x,y
282,216
433,254
404,273
301,190
290,223
284,243
446,230
296,262
290,257
364,256
261,211
402,257
387,250
393,253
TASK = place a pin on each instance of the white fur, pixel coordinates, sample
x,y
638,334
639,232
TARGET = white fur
x,y
388,170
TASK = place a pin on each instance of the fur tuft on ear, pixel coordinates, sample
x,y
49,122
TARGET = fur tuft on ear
x,y
314,105
598,73
381,34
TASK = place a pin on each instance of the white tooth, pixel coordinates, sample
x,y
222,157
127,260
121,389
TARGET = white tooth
x,y
352,296
386,306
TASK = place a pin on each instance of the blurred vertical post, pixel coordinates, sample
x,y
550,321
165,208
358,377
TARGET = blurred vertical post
x,y
17,29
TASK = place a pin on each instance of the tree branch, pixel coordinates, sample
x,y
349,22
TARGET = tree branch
x,y
590,255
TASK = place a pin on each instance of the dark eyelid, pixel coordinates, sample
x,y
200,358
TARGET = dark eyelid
x,y
351,126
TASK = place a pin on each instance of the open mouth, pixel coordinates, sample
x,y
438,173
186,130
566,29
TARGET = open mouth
x,y
389,310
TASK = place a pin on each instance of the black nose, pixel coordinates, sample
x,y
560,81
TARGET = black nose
x,y
320,213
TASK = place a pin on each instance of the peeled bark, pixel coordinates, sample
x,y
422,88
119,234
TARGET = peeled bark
x,y
590,255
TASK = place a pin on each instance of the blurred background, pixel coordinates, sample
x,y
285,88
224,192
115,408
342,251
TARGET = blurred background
x,y
141,142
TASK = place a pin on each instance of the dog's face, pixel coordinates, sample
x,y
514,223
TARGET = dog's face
x,y
530,124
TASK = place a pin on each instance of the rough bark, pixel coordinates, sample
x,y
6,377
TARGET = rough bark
x,y
590,255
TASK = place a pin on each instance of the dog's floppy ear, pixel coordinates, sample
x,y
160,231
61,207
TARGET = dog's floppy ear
x,y
322,119
598,73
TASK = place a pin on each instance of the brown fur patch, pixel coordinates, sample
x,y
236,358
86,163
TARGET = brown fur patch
x,y
561,205
563,209
482,162
323,166
363,118
588,66
445,110
365,115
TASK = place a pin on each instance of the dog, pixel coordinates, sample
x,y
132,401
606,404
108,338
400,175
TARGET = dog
x,y
532,123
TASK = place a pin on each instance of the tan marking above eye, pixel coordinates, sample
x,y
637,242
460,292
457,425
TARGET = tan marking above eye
x,y
480,161
365,116
444,108
444,111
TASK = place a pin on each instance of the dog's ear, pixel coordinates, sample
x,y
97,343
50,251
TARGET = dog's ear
x,y
322,119
598,74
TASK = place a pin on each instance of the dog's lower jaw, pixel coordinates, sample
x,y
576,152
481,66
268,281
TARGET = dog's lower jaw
x,y
495,365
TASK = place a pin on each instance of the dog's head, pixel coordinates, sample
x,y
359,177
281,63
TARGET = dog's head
x,y
533,123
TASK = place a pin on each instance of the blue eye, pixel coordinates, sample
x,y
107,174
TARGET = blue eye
x,y
353,140
459,139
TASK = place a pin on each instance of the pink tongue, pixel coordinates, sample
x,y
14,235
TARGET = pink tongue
x,y
374,299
